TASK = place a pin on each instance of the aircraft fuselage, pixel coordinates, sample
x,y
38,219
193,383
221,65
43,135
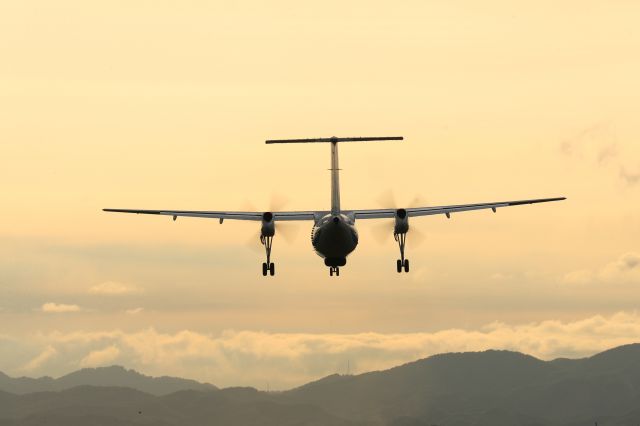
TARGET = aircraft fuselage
x,y
334,236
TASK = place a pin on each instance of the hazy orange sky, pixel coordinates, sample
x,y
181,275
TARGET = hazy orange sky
x,y
150,104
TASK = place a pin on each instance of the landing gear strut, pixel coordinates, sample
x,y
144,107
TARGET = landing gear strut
x,y
401,263
334,269
267,266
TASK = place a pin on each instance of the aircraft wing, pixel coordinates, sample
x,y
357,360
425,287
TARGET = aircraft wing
x,y
222,215
446,210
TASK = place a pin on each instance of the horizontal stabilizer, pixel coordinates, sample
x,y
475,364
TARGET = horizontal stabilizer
x,y
335,139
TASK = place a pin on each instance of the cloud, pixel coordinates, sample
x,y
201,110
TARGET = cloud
x,y
607,152
100,357
628,177
629,261
37,362
112,288
502,277
599,142
59,308
624,270
133,311
579,277
290,359
599,137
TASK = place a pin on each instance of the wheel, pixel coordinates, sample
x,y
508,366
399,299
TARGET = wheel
x,y
406,265
399,265
337,271
272,269
264,269
331,271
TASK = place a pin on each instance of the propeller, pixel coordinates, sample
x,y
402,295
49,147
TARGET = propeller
x,y
384,230
288,230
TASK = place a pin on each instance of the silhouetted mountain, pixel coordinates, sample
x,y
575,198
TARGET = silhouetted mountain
x,y
497,388
492,388
105,376
435,388
106,406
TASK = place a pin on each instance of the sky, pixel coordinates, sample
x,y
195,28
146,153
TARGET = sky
x,y
163,104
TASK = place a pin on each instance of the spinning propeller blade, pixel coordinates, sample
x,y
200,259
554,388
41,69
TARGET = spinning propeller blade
x,y
382,232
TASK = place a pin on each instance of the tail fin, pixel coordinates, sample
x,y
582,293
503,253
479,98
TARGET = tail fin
x,y
335,170
335,139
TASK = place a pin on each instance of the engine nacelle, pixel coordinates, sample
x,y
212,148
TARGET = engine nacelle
x,y
401,225
268,225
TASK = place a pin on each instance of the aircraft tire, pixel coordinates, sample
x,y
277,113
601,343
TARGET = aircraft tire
x,y
337,271
272,269
399,265
264,269
406,265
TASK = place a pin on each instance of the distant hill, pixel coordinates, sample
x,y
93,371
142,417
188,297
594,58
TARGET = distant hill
x,y
497,388
104,376
489,388
110,406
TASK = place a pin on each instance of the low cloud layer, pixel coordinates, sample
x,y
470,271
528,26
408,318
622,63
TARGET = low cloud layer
x,y
59,308
288,359
37,362
100,357
111,288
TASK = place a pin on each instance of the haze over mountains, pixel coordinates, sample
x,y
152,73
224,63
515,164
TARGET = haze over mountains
x,y
475,388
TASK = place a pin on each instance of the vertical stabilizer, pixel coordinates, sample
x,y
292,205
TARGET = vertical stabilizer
x,y
335,169
335,179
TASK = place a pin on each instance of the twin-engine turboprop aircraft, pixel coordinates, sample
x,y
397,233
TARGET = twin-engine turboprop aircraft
x,y
334,234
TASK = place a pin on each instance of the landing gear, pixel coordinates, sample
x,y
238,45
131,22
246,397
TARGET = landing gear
x,y
401,263
334,264
268,266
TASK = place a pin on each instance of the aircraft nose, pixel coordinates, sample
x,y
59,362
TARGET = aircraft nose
x,y
336,219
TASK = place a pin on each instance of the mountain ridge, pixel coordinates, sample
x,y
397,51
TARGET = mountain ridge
x,y
114,375
494,387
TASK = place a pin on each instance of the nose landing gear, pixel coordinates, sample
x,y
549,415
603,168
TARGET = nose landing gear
x,y
334,264
401,263
268,266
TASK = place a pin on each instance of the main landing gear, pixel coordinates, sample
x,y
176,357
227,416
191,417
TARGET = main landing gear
x,y
268,266
401,263
334,270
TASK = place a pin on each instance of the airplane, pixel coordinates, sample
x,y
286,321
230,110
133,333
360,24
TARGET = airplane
x,y
334,235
